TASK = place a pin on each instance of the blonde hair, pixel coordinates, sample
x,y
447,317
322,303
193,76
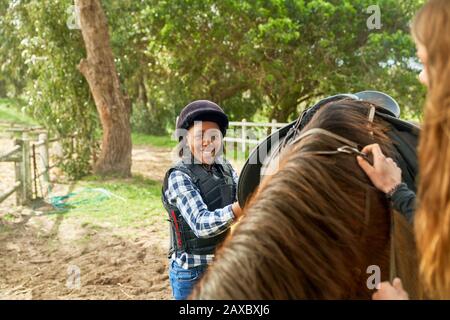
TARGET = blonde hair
x,y
431,28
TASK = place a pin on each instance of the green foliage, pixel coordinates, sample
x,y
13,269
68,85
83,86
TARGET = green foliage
x,y
281,55
149,119
156,141
57,95
11,111
264,58
12,68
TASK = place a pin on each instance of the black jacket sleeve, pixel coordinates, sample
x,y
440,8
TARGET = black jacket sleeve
x,y
404,201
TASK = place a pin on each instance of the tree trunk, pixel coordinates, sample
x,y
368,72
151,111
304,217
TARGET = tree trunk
x,y
142,91
112,104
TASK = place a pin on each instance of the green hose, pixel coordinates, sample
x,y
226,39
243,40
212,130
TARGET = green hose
x,y
85,196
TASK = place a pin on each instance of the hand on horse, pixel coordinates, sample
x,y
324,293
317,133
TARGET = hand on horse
x,y
237,210
384,173
387,291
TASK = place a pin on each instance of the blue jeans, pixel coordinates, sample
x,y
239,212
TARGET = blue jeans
x,y
183,281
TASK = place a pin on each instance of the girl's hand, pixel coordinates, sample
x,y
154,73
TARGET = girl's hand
x,y
387,291
384,174
237,210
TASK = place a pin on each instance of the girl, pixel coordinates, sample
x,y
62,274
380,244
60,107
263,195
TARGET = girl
x,y
199,193
431,28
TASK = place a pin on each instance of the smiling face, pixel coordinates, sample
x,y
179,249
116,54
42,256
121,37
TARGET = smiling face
x,y
204,140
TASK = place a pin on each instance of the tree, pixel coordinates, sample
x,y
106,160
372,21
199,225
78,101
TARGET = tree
x,y
259,59
285,54
113,107
39,50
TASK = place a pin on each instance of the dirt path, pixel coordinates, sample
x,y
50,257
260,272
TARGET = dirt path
x,y
43,260
151,162
41,255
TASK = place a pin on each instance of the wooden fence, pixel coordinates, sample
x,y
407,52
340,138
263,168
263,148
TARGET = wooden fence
x,y
29,144
247,134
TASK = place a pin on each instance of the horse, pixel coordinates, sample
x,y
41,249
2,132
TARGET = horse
x,y
316,228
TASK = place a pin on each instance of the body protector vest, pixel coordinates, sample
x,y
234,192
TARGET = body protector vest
x,y
217,189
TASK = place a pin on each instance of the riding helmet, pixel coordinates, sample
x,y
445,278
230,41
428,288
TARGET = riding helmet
x,y
202,110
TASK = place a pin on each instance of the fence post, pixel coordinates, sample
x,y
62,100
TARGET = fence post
x,y
18,175
25,175
43,152
244,135
272,128
235,144
174,135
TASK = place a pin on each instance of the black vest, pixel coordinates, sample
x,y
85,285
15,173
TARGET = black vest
x,y
217,189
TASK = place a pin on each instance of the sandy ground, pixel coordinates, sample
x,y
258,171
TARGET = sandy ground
x,y
44,259
44,256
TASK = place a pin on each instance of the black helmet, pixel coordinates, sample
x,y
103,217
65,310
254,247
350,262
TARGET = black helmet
x,y
202,110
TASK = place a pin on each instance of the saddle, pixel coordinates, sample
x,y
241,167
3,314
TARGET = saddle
x,y
403,134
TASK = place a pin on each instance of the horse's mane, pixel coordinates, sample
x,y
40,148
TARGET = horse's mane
x,y
305,233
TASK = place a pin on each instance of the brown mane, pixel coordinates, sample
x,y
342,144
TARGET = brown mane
x,y
306,233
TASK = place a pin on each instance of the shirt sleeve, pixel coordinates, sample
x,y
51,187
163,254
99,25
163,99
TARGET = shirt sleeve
x,y
235,176
184,194
404,201
235,179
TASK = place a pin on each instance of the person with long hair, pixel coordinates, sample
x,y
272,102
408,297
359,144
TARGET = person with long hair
x,y
430,30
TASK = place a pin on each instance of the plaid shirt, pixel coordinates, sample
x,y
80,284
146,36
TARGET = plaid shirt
x,y
185,195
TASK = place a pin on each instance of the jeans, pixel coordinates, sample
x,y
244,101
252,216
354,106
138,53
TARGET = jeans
x,y
183,281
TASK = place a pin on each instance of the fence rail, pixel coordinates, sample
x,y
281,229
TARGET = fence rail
x,y
30,143
6,156
246,137
243,135
244,123
9,192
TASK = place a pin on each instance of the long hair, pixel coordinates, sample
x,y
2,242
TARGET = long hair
x,y
431,28
314,227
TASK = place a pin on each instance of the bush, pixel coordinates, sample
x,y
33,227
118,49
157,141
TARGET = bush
x,y
152,120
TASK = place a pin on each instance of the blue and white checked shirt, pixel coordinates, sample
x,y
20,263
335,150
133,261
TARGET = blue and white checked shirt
x,y
185,195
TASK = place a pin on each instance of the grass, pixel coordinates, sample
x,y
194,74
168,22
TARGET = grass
x,y
136,203
10,112
156,141
8,217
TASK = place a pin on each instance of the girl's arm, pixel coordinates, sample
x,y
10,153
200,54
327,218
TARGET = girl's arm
x,y
185,195
404,201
